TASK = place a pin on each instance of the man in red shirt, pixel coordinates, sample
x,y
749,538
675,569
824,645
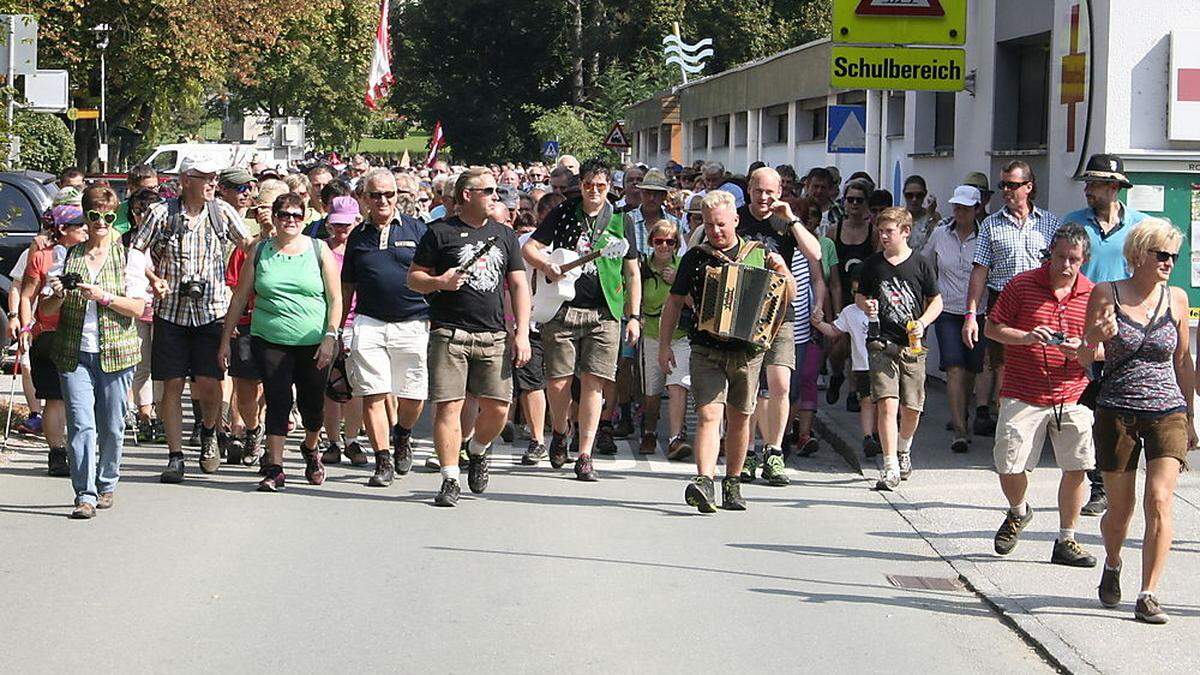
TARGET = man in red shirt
x,y
1039,318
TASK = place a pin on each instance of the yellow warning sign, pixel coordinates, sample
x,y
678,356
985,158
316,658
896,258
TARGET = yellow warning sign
x,y
903,68
925,22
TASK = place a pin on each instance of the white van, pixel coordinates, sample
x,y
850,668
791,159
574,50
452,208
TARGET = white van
x,y
167,158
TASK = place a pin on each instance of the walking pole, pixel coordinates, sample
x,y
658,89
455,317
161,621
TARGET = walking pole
x,y
12,391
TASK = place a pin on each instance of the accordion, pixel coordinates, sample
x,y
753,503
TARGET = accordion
x,y
742,302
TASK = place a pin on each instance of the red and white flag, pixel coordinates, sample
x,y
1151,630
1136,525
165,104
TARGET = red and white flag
x,y
435,143
381,62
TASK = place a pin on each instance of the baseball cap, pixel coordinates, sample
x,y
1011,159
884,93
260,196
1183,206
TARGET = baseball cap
x,y
966,195
235,175
343,211
67,214
977,180
199,165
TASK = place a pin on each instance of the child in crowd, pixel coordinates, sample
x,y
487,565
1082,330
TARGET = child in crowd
x,y
853,322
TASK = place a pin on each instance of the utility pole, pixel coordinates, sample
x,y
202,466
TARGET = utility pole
x,y
101,32
14,143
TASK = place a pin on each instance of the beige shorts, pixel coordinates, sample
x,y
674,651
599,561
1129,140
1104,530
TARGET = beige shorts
x,y
783,348
389,358
577,342
729,377
462,363
653,380
1021,432
897,376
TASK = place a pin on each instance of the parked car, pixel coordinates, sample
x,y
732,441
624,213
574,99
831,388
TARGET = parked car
x,y
24,197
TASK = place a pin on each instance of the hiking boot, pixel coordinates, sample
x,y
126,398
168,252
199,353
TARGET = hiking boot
x,y
105,500
871,447
1147,610
83,511
402,454
235,447
624,427
834,392
534,453
57,464
699,493
314,470
1071,554
558,450
355,454
773,470
905,461
960,446
984,424
649,444
750,466
252,440
605,445
1010,531
174,470
477,473
210,454
384,471
679,448
889,480
584,470
808,446
332,454
1097,502
731,494
273,480
1110,587
448,494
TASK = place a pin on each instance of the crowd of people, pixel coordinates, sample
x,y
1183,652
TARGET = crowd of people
x,y
516,299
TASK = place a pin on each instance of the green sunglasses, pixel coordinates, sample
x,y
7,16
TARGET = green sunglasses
x,y
108,217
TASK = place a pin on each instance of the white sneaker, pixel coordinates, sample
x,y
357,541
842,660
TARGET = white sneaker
x,y
890,480
905,461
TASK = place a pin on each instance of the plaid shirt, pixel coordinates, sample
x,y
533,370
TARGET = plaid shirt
x,y
637,222
1008,248
198,250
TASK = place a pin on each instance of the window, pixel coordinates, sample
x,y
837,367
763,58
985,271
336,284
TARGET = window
x,y
1022,93
700,134
895,115
16,211
164,161
721,132
775,124
741,124
943,121
811,120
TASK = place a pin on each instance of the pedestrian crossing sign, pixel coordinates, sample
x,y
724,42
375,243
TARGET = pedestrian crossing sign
x,y
847,129
616,137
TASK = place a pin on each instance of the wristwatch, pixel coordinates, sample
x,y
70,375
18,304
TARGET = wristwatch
x,y
634,317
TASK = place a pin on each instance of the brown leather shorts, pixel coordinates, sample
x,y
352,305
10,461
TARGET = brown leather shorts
x,y
1116,435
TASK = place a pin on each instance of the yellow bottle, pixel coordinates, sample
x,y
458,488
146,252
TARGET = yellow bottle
x,y
914,342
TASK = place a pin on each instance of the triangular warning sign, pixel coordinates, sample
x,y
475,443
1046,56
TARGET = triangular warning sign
x,y
616,137
900,8
851,137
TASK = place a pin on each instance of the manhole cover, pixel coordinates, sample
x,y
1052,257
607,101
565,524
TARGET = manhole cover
x,y
926,583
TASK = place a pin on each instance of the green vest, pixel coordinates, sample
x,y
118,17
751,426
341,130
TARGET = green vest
x,y
611,270
120,347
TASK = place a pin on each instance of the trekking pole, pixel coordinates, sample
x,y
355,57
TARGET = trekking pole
x,y
12,392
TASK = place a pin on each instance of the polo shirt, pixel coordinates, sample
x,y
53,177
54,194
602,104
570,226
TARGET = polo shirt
x,y
1040,374
1107,261
380,275
952,259
1008,248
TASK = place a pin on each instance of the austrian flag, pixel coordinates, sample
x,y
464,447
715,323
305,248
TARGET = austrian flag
x,y
380,79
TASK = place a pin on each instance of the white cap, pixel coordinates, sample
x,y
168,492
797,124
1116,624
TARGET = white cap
x,y
966,195
200,164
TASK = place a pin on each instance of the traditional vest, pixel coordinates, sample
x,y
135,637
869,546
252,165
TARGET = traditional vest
x,y
611,271
120,347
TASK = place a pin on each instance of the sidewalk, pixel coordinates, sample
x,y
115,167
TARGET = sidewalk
x,y
954,502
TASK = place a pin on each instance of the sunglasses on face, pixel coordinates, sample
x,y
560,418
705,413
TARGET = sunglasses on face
x,y
424,200
594,187
107,217
658,241
914,195
856,200
389,194
489,191
1013,185
289,215
1164,256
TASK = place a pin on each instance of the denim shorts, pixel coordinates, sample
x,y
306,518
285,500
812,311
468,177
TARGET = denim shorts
x,y
952,351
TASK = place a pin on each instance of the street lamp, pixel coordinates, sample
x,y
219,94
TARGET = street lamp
x,y
101,31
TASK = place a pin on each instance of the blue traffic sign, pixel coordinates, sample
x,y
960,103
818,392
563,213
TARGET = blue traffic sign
x,y
550,149
847,129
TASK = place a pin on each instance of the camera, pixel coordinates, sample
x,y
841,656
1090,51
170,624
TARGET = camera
x,y
193,287
1056,338
70,281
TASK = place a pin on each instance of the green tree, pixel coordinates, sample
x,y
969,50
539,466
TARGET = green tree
x,y
46,142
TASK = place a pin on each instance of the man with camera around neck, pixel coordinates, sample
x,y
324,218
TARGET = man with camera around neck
x,y
185,239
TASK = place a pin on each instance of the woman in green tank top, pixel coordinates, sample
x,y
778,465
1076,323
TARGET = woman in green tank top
x,y
294,332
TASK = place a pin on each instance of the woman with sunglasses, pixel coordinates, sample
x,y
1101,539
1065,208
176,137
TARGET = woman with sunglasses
x,y
658,273
854,239
294,332
99,290
1144,404
924,218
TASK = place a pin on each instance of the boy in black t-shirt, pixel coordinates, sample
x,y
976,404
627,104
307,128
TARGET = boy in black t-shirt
x,y
898,292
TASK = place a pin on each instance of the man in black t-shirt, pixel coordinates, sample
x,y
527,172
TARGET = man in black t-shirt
x,y
724,371
769,220
898,292
584,336
463,264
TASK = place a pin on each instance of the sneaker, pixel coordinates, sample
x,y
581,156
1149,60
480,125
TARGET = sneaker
x,y
235,447
314,470
83,511
888,481
402,454
252,440
1147,610
699,493
1071,554
508,433
834,392
731,494
624,427
960,445
332,454
534,454
210,454
355,454
605,445
194,438
905,460
584,470
558,450
1010,531
432,462
870,447
679,448
273,481
33,426
1110,587
174,470
1097,502
448,494
649,445
750,466
105,500
852,403
57,464
384,471
984,424
145,430
477,473
773,470
808,446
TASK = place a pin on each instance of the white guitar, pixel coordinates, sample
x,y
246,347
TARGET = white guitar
x,y
550,296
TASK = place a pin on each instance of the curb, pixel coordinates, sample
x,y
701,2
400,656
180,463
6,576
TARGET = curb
x,y
1049,643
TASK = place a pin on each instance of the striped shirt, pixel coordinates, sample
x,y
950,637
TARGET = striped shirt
x,y
195,250
803,302
1040,374
1008,248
